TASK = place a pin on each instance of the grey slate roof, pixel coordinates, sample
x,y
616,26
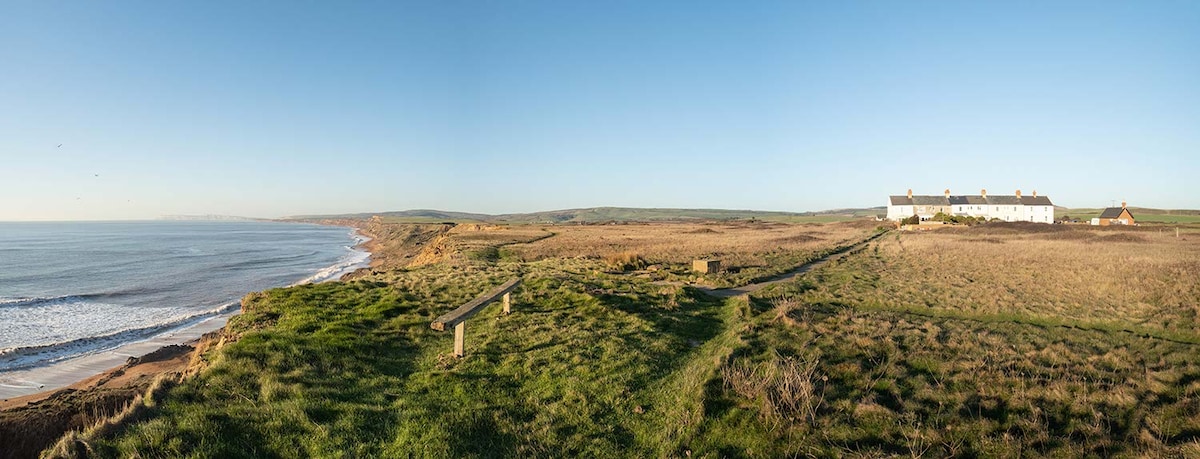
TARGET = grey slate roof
x,y
931,201
968,200
1113,212
1003,200
1000,200
1036,201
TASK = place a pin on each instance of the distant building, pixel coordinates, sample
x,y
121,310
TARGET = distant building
x,y
974,206
1008,208
928,206
1114,216
900,207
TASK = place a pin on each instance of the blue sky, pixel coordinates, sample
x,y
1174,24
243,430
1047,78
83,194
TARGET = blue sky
x,y
283,108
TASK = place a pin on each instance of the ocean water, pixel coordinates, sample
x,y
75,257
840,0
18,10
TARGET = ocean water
x,y
77,288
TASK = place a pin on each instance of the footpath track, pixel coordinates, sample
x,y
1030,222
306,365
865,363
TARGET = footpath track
x,y
785,277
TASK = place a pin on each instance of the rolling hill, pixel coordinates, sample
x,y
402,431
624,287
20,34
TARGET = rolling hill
x,y
605,214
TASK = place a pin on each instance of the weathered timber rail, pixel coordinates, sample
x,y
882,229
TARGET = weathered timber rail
x,y
458,317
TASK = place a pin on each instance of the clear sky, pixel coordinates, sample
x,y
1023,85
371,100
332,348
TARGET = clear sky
x,y
287,107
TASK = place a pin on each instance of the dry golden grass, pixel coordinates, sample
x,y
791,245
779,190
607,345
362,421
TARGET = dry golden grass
x,y
737,244
1079,274
624,261
787,388
995,341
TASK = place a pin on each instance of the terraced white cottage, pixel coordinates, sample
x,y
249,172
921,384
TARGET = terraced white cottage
x,y
1011,208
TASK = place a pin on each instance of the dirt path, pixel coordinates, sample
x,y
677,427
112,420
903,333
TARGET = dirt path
x,y
751,288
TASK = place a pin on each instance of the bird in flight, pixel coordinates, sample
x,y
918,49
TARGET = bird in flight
x,y
59,146
97,175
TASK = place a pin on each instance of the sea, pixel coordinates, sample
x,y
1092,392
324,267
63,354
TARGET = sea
x,y
77,288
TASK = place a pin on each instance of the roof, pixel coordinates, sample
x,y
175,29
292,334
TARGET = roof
x,y
931,201
1003,200
1036,201
1113,212
968,200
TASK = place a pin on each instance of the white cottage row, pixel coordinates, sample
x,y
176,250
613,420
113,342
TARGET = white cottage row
x,y
1014,208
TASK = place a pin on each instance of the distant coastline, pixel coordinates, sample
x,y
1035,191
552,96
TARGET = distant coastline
x,y
211,218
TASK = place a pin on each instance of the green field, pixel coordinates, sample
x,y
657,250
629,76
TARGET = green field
x,y
1139,214
587,365
1162,218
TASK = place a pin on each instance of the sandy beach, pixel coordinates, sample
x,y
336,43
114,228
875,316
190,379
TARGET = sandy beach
x,y
46,379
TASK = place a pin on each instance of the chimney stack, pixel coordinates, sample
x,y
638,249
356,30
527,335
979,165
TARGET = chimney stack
x,y
910,193
1018,193
1035,193
983,192
947,193
1122,204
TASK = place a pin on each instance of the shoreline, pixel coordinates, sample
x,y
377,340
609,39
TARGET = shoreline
x,y
35,384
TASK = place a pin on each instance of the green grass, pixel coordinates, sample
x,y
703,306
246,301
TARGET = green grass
x,y
587,365
600,364
1140,214
1155,218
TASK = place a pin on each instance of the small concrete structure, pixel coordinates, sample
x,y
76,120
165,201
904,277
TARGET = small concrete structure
x,y
706,266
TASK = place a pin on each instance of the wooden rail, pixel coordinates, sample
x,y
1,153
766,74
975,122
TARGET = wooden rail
x,y
458,317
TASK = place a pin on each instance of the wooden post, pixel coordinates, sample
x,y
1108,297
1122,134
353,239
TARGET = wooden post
x,y
460,331
458,317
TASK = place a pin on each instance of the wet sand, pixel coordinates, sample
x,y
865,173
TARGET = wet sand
x,y
46,379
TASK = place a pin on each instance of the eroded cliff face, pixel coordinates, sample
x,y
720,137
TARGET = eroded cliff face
x,y
399,245
409,245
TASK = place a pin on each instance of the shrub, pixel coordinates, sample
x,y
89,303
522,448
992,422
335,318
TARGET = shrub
x,y
625,261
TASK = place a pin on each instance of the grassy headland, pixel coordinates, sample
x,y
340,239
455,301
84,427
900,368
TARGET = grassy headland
x,y
993,341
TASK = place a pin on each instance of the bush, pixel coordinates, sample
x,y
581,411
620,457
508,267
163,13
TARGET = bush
x,y
625,261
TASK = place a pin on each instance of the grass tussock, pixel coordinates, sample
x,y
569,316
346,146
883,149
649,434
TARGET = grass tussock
x,y
76,443
787,388
624,261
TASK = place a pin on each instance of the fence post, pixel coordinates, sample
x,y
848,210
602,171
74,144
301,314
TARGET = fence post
x,y
460,330
458,317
